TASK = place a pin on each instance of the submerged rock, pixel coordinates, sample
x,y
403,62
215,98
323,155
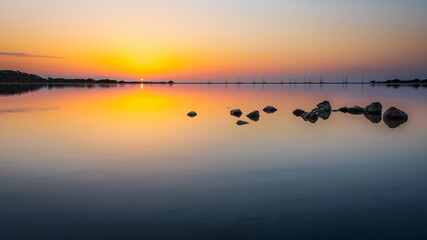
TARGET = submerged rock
x,y
254,116
298,112
192,114
236,112
325,105
374,117
270,109
394,117
374,107
356,110
311,117
240,123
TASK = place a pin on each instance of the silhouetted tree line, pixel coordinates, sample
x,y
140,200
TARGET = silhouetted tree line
x,y
9,76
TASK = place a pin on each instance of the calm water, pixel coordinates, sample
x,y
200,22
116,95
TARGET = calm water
x,y
126,162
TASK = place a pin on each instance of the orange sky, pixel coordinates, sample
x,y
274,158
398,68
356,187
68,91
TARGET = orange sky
x,y
198,40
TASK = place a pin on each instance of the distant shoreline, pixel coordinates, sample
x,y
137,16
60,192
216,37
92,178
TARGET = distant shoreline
x,y
17,77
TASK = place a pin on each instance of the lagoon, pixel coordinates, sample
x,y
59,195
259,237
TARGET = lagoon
x,y
126,162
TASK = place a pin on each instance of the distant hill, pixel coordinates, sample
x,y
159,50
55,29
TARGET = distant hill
x,y
17,76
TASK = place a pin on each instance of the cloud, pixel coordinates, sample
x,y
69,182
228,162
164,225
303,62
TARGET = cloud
x,y
26,55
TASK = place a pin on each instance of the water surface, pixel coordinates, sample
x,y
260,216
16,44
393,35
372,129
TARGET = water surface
x,y
126,162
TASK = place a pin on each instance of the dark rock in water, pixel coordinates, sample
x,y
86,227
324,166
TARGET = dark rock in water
x,y
236,112
343,109
394,117
240,123
356,110
335,110
325,105
323,114
192,114
394,113
270,109
298,112
374,117
311,117
254,116
374,107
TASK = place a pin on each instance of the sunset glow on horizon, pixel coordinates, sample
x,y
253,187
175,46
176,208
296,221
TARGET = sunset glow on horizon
x,y
198,40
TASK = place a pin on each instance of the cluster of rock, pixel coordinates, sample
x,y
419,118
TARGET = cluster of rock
x,y
393,117
254,116
322,111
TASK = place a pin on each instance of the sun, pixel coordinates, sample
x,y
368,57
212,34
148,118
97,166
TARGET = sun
x,y
141,79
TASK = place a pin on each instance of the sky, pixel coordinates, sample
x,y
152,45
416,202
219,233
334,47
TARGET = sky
x,y
215,40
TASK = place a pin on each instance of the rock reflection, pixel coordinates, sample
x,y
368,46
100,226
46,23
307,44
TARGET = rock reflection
x,y
18,89
373,117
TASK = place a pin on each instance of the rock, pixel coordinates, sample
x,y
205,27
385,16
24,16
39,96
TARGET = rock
x,y
311,117
335,110
394,123
356,110
270,109
240,123
394,113
323,114
373,117
325,105
236,112
394,117
343,109
192,114
374,107
254,116
298,112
